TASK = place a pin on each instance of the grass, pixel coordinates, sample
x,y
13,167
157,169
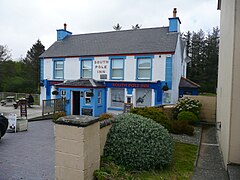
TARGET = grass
x,y
180,169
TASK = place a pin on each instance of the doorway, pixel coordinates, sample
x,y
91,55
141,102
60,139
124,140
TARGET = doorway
x,y
76,102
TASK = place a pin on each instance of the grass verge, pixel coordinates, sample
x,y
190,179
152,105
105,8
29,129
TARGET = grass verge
x,y
180,169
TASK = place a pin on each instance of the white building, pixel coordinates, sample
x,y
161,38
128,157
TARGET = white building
x,y
99,72
228,99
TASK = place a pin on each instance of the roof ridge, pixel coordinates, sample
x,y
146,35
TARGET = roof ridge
x,y
141,29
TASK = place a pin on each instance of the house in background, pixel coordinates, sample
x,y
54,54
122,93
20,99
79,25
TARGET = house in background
x,y
228,99
188,87
100,72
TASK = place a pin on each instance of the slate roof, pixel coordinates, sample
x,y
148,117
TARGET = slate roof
x,y
149,40
186,83
90,83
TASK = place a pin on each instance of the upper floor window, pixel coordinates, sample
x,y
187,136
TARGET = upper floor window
x,y
117,67
144,68
86,68
58,69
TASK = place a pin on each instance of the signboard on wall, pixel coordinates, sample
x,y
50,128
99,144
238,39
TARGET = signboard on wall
x,y
101,68
87,111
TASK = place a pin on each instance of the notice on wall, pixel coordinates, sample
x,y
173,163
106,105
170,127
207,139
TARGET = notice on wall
x,y
12,122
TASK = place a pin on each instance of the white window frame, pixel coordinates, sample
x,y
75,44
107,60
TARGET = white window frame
x,y
144,68
58,69
86,69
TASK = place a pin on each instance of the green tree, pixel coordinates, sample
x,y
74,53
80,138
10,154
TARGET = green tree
x,y
203,51
32,65
4,53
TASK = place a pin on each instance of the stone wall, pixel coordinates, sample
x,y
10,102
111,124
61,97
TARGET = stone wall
x,y
208,109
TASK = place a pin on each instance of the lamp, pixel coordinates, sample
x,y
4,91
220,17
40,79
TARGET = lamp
x,y
165,87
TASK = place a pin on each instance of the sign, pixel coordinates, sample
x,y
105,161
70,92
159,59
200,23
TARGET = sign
x,y
23,107
87,111
101,66
127,107
12,122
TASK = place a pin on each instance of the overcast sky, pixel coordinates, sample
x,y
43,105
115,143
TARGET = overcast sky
x,y
22,22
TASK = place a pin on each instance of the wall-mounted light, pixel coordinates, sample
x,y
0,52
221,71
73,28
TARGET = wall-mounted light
x,y
165,87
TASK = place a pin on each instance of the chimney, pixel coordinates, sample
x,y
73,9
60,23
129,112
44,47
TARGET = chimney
x,y
174,22
174,12
62,33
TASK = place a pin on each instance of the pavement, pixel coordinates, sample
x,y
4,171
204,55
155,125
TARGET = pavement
x,y
28,155
210,164
33,112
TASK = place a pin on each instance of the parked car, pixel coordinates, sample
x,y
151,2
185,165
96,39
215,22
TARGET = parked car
x,y
3,125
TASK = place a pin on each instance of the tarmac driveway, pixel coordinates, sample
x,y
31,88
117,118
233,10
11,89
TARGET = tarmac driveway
x,y
28,155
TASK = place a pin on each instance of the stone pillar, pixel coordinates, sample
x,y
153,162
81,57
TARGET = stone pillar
x,y
77,147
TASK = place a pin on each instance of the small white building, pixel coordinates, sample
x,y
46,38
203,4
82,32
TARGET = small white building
x,y
100,72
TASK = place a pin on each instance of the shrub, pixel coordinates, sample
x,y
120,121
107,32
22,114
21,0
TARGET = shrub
x,y
109,170
138,143
188,116
154,114
187,104
182,127
58,115
105,116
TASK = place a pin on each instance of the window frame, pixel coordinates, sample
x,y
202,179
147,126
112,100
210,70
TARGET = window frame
x,y
82,60
117,58
138,58
55,61
99,97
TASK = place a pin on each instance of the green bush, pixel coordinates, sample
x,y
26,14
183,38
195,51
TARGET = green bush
x,y
105,116
58,115
182,127
188,116
138,143
187,104
154,114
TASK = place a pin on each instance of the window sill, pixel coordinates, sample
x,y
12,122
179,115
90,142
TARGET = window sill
x,y
115,108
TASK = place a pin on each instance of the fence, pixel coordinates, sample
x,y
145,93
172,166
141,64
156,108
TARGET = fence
x,y
52,105
17,96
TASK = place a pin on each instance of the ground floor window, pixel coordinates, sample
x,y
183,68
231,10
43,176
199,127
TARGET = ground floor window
x,y
166,97
143,97
117,97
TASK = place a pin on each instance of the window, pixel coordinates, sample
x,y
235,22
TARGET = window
x,y
99,97
117,97
88,96
58,69
166,97
86,68
117,68
143,97
144,66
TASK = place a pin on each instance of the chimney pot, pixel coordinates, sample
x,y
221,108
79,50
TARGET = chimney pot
x,y
65,26
174,12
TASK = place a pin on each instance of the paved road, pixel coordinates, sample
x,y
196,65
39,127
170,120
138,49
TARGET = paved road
x,y
28,155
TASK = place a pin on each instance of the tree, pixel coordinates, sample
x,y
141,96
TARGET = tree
x,y
137,26
4,53
117,27
203,51
32,64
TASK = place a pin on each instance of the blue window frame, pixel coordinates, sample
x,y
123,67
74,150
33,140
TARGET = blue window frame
x,y
117,67
86,69
144,67
58,68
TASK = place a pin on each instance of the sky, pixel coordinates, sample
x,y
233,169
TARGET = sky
x,y
23,22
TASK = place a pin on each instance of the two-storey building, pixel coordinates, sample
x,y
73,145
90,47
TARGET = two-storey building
x,y
99,72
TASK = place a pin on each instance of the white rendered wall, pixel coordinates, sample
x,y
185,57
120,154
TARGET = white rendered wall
x,y
71,69
48,69
176,71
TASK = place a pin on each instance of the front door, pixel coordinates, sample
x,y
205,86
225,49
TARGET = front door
x,y
76,103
